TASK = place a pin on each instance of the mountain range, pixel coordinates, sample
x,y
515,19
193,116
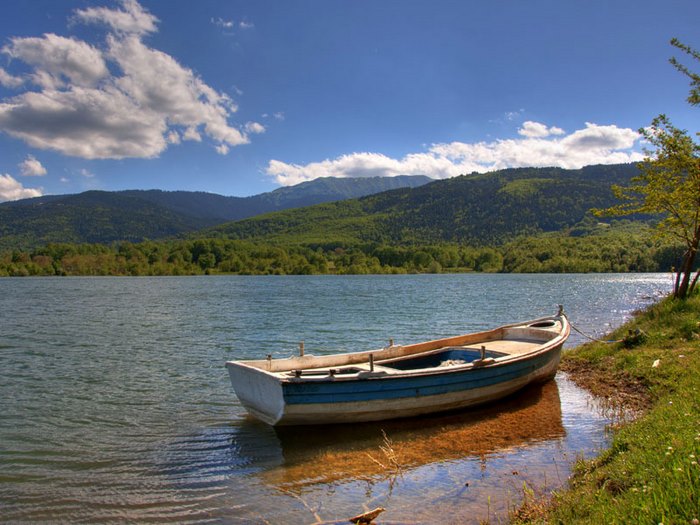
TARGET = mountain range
x,y
136,215
476,209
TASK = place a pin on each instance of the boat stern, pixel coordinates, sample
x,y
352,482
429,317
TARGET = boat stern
x,y
259,392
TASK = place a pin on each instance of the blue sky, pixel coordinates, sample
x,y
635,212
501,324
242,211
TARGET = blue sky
x,y
241,97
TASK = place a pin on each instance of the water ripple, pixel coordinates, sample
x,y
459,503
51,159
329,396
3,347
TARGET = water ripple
x,y
115,405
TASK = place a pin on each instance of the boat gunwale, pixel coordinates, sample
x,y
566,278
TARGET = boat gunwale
x,y
361,358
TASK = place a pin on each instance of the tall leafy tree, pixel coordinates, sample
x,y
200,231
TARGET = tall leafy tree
x,y
669,183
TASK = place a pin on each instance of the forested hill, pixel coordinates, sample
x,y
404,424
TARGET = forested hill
x,y
135,215
218,208
478,209
89,217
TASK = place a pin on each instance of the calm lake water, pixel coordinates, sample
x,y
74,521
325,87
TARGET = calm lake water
x,y
115,404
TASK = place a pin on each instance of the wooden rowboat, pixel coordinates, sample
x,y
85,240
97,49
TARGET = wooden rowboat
x,y
401,381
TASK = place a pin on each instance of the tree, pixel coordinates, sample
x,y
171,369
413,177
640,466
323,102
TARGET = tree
x,y
669,184
694,97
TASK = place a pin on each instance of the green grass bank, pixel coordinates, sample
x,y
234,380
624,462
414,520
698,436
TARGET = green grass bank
x,y
651,473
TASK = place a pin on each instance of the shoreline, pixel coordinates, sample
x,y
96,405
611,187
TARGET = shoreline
x,y
618,392
651,383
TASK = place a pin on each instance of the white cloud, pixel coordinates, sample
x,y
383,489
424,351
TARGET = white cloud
x,y
360,165
279,115
156,81
132,19
31,167
8,80
513,115
220,22
595,137
86,173
228,25
592,145
59,61
509,116
222,149
192,134
87,123
119,100
12,190
538,130
254,127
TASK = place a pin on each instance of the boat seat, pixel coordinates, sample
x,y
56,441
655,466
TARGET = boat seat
x,y
377,368
506,346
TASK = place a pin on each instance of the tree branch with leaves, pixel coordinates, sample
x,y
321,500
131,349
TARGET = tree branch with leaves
x,y
668,185
694,96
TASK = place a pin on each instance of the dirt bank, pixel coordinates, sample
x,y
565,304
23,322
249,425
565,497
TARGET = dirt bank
x,y
618,390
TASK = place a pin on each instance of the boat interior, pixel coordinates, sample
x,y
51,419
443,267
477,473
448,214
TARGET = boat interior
x,y
472,350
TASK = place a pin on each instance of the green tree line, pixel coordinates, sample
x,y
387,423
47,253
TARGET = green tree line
x,y
587,248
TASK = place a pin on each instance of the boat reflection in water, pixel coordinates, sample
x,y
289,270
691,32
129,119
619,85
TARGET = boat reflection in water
x,y
325,454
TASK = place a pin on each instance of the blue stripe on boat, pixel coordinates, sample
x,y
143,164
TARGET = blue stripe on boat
x,y
388,387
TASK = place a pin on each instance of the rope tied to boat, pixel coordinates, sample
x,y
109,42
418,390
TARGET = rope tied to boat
x,y
608,341
575,328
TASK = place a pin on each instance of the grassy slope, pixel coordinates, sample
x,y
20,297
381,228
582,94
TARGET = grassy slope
x,y
651,473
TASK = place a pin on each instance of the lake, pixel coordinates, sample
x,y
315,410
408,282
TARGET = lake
x,y
115,404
